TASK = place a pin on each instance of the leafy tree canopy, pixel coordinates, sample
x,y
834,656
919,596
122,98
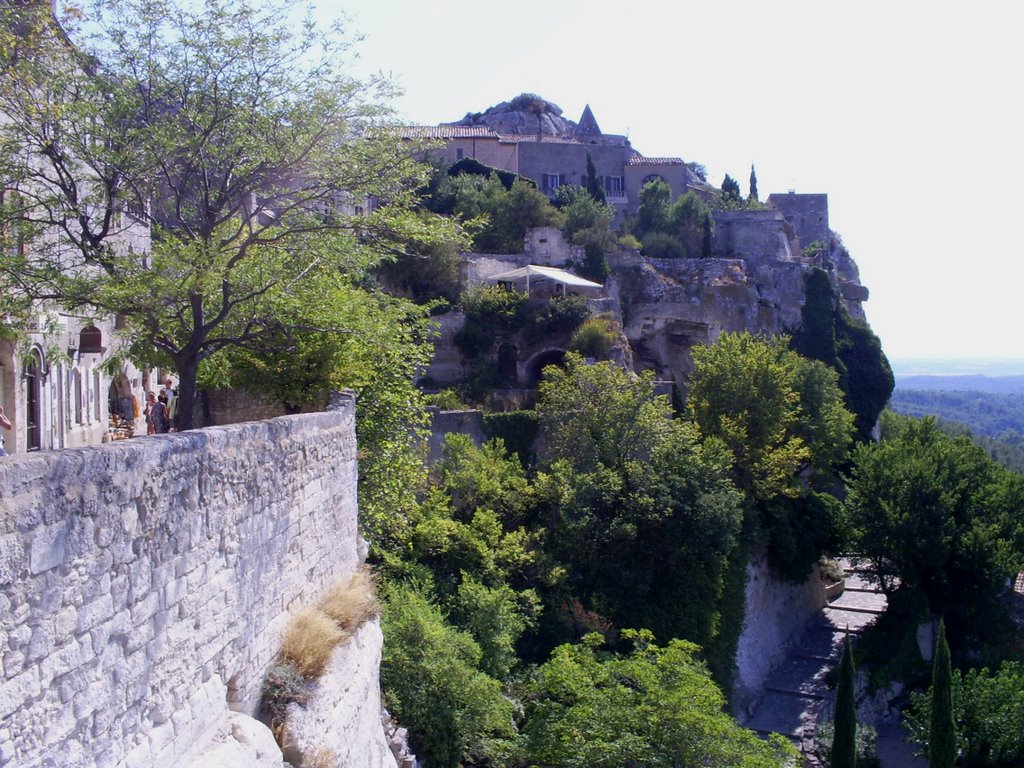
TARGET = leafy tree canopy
x,y
654,707
501,216
232,131
632,503
778,412
935,514
988,712
783,420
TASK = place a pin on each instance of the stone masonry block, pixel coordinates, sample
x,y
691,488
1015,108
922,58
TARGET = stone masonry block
x,y
13,558
16,691
48,547
95,613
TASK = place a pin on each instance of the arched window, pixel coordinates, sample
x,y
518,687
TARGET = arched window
x,y
653,177
90,340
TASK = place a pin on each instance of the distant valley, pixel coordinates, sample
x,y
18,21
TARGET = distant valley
x,y
988,405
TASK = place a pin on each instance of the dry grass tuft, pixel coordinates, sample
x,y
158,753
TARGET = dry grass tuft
x,y
352,601
308,641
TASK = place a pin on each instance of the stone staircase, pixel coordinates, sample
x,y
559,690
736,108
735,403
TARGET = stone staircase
x,y
796,694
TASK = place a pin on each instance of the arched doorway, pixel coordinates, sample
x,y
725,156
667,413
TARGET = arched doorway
x,y
34,401
534,368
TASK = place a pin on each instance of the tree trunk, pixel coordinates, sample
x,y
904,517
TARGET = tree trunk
x,y
187,369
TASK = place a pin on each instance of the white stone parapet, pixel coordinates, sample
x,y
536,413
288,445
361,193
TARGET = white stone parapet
x,y
145,583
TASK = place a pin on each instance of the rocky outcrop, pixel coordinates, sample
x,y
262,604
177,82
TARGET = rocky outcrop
x,y
525,114
671,305
339,725
237,741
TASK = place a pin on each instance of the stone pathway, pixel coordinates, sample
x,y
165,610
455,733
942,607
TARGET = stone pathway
x,y
797,695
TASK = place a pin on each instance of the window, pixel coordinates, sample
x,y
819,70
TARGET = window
x,y
613,184
460,153
553,181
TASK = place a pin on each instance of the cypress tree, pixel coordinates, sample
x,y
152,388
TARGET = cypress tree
x,y
844,744
730,188
753,184
705,250
593,185
942,736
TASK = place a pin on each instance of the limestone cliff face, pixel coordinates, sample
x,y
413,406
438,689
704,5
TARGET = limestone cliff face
x,y
671,305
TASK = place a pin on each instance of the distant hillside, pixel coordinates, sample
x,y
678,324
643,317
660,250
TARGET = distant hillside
x,y
962,383
994,418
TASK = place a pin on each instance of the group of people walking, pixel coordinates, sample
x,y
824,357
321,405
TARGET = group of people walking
x,y
161,409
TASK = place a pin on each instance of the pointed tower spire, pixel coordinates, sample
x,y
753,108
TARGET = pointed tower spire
x,y
587,125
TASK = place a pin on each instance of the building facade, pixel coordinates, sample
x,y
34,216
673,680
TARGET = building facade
x,y
555,153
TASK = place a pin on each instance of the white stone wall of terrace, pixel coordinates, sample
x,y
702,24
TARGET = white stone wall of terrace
x,y
776,614
145,581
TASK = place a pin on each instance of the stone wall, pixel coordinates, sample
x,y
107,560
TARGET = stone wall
x,y
442,423
776,613
144,584
756,236
807,213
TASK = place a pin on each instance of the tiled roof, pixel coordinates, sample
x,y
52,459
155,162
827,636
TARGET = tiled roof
x,y
447,132
640,160
531,138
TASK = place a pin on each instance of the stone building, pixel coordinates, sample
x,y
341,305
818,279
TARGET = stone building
x,y
531,138
806,213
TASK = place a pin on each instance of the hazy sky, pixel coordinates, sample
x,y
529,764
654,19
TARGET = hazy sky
x,y
908,114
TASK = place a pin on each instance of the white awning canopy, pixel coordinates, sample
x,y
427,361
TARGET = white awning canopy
x,y
533,272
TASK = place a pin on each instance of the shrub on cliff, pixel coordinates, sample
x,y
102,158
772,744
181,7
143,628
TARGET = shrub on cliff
x,y
433,684
595,338
828,333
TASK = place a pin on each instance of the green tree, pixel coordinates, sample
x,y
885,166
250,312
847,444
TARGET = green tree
x,y
844,742
593,182
779,413
942,732
935,515
501,215
433,684
783,420
653,212
730,188
672,229
988,709
244,152
706,235
687,215
753,184
655,707
641,516
588,222
828,333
